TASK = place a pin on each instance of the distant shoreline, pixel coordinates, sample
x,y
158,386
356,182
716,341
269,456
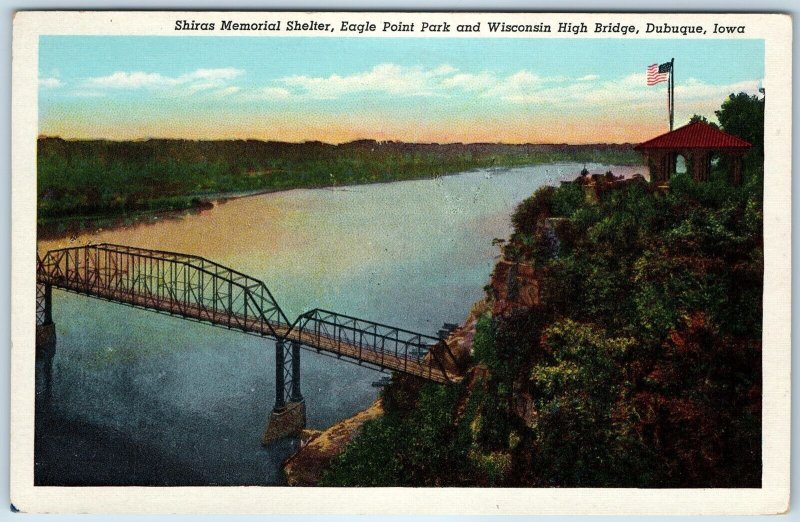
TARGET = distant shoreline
x,y
91,185
59,228
204,202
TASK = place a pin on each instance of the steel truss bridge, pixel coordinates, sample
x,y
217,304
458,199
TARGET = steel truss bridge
x,y
197,289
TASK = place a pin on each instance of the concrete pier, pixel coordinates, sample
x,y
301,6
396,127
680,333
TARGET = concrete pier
x,y
288,417
45,352
284,423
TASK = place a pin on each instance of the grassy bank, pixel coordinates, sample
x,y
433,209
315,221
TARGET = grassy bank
x,y
96,179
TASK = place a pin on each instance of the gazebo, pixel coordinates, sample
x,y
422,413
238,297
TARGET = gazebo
x,y
696,142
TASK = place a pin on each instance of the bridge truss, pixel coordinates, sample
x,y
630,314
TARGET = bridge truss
x,y
195,288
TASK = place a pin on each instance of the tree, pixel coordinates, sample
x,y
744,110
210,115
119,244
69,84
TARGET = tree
x,y
579,437
743,115
700,118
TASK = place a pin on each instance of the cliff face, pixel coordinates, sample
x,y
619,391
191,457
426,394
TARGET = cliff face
x,y
514,286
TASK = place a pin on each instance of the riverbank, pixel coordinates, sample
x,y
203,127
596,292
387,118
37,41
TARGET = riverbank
x,y
86,184
69,226
73,226
317,448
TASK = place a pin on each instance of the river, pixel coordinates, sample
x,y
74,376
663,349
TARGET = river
x,y
146,399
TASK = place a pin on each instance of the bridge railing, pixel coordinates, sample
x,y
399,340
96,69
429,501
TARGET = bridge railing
x,y
196,288
188,285
379,344
41,305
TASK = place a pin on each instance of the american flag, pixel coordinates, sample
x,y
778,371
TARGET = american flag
x,y
658,73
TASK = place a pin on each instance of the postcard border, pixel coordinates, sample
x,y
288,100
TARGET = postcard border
x,y
772,498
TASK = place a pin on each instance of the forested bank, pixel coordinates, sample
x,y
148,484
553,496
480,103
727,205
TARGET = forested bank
x,y
85,179
639,366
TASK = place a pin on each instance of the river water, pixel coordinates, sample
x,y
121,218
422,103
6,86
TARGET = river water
x,y
143,398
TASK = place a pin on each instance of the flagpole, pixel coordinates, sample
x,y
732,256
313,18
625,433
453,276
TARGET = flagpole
x,y
669,100
671,85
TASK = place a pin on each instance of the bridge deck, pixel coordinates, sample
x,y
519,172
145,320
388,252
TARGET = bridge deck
x,y
423,366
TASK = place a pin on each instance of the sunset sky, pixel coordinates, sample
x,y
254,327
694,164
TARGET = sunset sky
x,y
511,90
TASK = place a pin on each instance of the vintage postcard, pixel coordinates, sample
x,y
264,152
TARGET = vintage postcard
x,y
359,262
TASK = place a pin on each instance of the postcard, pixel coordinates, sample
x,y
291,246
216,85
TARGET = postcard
x,y
401,263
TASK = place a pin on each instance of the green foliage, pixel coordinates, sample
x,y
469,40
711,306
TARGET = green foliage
x,y
642,260
619,349
419,449
94,178
577,387
370,462
516,345
700,118
483,350
495,466
743,115
567,199
533,209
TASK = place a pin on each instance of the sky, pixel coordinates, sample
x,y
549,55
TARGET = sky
x,y
510,90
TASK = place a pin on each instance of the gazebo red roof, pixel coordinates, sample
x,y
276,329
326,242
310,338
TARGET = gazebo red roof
x,y
697,135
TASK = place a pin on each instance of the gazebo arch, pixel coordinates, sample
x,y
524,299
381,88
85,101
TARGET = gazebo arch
x,y
696,142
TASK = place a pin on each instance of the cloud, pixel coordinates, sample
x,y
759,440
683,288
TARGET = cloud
x,y
629,91
412,81
226,73
88,94
267,94
516,85
693,89
384,78
522,87
470,82
189,83
49,82
130,80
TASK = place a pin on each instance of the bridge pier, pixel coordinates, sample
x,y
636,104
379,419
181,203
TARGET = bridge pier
x,y
280,376
45,346
287,417
296,395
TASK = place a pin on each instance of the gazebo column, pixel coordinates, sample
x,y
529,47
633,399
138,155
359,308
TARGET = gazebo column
x,y
659,167
669,163
735,160
700,164
693,166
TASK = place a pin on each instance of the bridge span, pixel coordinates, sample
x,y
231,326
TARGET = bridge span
x,y
197,289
